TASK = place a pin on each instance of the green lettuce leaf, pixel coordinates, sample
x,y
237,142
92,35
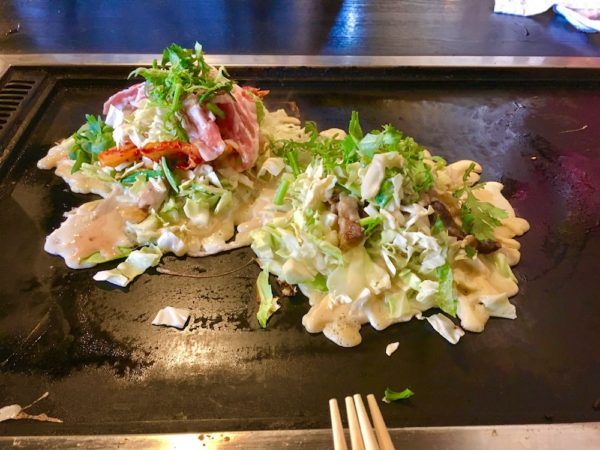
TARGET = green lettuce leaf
x,y
268,303
445,297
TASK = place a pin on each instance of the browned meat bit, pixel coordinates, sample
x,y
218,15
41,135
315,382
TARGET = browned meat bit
x,y
487,246
447,219
454,230
286,289
350,231
482,247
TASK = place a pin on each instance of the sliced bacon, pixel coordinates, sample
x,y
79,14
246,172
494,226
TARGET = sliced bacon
x,y
186,154
202,129
118,155
173,150
240,124
235,136
129,98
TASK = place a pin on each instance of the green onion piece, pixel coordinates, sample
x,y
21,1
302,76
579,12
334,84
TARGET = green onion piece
x,y
79,159
215,110
292,160
170,176
370,223
391,396
260,111
281,191
176,95
130,179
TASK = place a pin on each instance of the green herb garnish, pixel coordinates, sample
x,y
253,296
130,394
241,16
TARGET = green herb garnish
x,y
438,226
181,72
470,251
92,138
478,218
169,175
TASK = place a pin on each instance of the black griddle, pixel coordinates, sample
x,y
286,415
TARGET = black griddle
x,y
108,370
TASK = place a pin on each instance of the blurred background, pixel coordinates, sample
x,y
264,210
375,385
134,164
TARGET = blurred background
x,y
340,27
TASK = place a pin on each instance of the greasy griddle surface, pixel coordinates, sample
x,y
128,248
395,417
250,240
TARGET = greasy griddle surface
x,y
107,369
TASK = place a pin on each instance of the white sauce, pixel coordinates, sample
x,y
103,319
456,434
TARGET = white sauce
x,y
82,183
79,182
98,226
57,153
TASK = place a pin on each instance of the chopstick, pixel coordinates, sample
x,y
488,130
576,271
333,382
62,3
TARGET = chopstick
x,y
366,429
383,435
355,435
362,436
339,441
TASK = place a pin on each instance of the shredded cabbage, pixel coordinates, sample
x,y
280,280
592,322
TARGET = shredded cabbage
x,y
136,264
268,303
405,262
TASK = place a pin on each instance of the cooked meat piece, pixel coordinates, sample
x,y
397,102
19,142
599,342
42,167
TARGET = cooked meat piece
x,y
350,231
240,124
127,99
454,230
447,219
482,247
286,289
333,201
487,246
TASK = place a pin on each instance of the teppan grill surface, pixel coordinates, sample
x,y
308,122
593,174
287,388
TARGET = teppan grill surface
x,y
108,371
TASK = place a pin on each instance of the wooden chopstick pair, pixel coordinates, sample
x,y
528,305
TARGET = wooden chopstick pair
x,y
362,436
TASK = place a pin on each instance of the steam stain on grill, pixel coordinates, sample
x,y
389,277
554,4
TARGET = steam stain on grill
x,y
573,174
65,338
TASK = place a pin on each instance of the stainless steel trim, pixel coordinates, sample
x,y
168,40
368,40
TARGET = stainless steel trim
x,y
99,59
581,436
